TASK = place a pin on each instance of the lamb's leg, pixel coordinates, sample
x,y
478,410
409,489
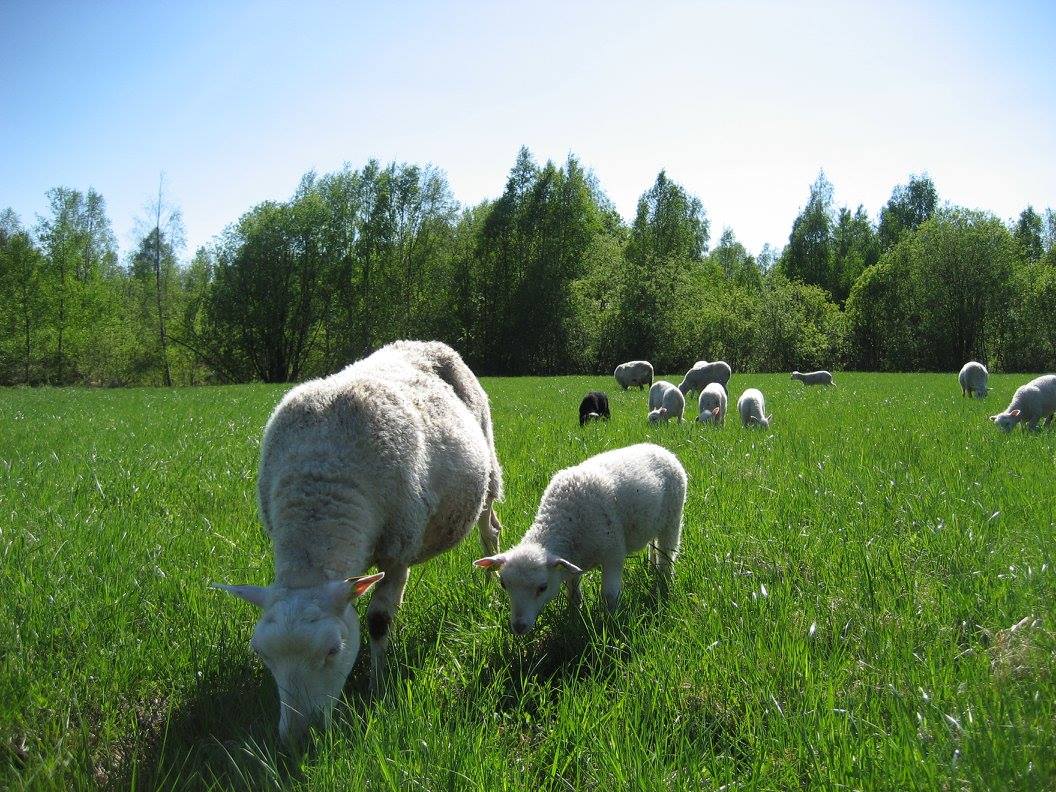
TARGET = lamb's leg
x,y
489,527
611,583
667,543
383,605
575,595
1049,419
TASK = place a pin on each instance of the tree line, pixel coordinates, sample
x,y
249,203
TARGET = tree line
x,y
547,278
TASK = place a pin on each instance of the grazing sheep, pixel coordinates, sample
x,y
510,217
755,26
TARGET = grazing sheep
x,y
656,393
973,379
635,372
814,377
595,405
752,408
712,404
594,515
388,462
704,373
672,405
1030,403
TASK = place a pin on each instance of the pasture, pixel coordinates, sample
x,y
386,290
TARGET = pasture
x,y
865,599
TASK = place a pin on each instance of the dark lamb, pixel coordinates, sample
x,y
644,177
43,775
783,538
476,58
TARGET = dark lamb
x,y
593,402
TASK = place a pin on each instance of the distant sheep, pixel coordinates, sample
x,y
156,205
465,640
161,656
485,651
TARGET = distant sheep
x,y
1030,403
752,408
656,393
595,405
388,462
973,379
814,377
673,405
712,404
635,372
594,515
704,373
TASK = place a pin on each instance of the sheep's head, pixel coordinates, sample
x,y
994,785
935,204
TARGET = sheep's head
x,y
796,375
659,414
531,576
709,415
309,640
1007,421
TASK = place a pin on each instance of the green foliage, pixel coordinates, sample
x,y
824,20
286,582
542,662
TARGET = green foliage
x,y
1028,233
909,206
841,615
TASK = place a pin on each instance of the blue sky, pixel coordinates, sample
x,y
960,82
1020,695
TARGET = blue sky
x,y
741,102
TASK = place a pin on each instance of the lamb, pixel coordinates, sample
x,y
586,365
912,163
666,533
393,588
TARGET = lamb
x,y
814,377
704,373
672,405
712,404
635,372
752,408
594,515
973,378
1030,403
595,405
388,462
656,393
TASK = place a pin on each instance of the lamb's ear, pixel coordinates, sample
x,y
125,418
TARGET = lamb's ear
x,y
1014,413
567,565
341,592
715,412
358,586
254,595
490,562
995,417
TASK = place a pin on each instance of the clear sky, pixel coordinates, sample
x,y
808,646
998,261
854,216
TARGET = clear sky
x,y
741,102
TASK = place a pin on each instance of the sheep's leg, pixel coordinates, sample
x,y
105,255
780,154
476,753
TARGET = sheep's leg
x,y
1049,419
667,544
383,605
575,594
489,526
611,584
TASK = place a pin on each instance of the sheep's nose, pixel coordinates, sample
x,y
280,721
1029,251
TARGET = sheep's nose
x,y
521,627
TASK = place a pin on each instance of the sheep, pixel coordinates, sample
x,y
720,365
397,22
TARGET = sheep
x,y
635,372
814,377
712,404
594,515
752,408
388,462
704,373
595,405
1030,403
656,393
672,405
973,378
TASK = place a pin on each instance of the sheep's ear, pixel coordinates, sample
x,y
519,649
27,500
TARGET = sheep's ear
x,y
995,417
358,586
1014,413
490,562
567,565
341,592
715,412
254,595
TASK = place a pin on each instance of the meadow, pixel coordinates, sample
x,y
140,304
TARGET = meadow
x,y
864,600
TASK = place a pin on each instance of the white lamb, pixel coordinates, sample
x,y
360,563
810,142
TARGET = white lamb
x,y
594,515
388,462
752,408
712,404
656,393
634,372
704,373
1030,403
672,405
973,379
814,377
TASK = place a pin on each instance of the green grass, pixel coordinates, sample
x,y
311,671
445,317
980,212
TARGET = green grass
x,y
840,617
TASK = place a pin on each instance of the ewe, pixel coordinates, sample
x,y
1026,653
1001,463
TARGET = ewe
x,y
635,372
1030,403
388,462
973,379
594,515
704,373
752,408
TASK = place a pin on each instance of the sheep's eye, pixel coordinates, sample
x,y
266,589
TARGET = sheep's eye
x,y
543,588
333,651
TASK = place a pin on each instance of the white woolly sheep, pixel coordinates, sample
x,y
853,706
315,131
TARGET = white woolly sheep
x,y
656,393
704,373
594,515
1030,403
634,372
814,377
752,408
388,462
973,378
712,404
672,405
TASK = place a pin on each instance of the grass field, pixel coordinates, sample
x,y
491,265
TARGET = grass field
x,y
842,614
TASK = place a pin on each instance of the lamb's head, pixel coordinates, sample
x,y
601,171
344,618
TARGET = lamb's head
x,y
659,414
309,640
765,421
709,415
531,576
796,375
1007,421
